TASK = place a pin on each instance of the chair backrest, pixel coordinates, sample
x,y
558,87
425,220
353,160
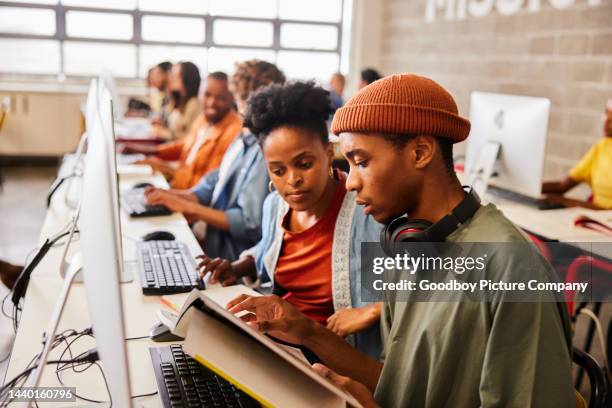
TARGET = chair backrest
x,y
597,379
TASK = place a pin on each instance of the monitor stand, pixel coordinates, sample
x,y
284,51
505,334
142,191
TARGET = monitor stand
x,y
483,169
76,262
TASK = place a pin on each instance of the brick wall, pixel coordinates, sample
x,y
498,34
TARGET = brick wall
x,y
561,54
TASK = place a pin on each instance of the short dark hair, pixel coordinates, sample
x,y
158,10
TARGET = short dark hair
x,y
165,66
445,145
370,75
301,105
219,76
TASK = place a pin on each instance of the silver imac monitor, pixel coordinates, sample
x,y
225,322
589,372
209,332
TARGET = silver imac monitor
x,y
105,113
102,267
507,142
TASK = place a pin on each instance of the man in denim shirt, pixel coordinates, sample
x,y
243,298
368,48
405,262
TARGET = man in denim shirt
x,y
230,199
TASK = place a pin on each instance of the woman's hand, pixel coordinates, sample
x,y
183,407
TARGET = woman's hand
x,y
173,202
361,393
353,320
275,316
221,270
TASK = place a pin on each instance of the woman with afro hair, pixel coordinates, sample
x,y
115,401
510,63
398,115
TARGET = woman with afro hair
x,y
311,232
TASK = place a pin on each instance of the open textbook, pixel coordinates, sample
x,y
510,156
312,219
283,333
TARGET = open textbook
x,y
272,373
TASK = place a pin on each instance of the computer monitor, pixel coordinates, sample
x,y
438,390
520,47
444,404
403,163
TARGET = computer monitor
x,y
102,266
107,79
507,141
105,116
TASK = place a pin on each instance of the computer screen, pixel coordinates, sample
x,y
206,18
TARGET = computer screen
x,y
101,265
518,126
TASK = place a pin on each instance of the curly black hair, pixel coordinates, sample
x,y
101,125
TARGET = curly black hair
x,y
296,104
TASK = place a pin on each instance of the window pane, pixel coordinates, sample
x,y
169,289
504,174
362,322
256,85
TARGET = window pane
x,y
234,32
224,59
27,21
29,56
182,6
99,25
110,4
308,65
311,10
36,1
151,55
310,36
83,58
173,29
244,8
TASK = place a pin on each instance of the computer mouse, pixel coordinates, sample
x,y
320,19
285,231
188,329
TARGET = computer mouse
x,y
142,185
160,332
159,236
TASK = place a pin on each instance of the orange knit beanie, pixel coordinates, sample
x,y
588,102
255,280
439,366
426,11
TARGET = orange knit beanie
x,y
402,104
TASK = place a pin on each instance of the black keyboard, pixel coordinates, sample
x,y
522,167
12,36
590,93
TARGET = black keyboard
x,y
540,204
134,203
166,267
183,382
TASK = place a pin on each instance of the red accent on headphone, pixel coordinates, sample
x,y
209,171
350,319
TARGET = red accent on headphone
x,y
411,229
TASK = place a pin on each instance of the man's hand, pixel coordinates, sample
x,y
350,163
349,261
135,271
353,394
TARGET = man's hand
x,y
173,202
221,270
275,316
353,320
356,389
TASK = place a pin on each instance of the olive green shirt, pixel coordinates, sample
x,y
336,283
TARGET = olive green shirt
x,y
471,354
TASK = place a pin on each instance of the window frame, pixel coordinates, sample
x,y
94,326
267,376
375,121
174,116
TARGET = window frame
x,y
137,15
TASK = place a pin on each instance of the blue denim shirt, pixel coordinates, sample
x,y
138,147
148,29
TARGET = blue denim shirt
x,y
238,187
352,228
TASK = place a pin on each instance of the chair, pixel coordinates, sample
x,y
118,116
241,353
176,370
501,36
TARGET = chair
x,y
597,379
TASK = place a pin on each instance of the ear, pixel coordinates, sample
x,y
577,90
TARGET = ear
x,y
424,148
329,150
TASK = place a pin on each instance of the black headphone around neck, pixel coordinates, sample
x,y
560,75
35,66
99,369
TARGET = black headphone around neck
x,y
404,229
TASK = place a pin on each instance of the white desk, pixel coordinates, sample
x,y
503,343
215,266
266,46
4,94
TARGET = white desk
x,y
139,311
555,225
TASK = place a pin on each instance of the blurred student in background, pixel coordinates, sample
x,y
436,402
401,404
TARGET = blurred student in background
x,y
336,90
368,76
186,160
228,201
183,107
595,169
159,91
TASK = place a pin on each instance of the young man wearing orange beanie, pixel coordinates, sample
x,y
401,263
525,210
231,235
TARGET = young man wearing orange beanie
x,y
397,134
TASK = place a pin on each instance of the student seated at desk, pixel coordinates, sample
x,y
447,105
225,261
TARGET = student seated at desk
x,y
229,199
159,91
397,134
183,107
595,168
202,149
308,213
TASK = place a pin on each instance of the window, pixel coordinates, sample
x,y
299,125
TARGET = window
x,y
151,55
308,65
311,10
29,56
181,6
244,33
173,29
84,24
27,21
244,8
223,59
307,39
107,4
320,37
80,58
